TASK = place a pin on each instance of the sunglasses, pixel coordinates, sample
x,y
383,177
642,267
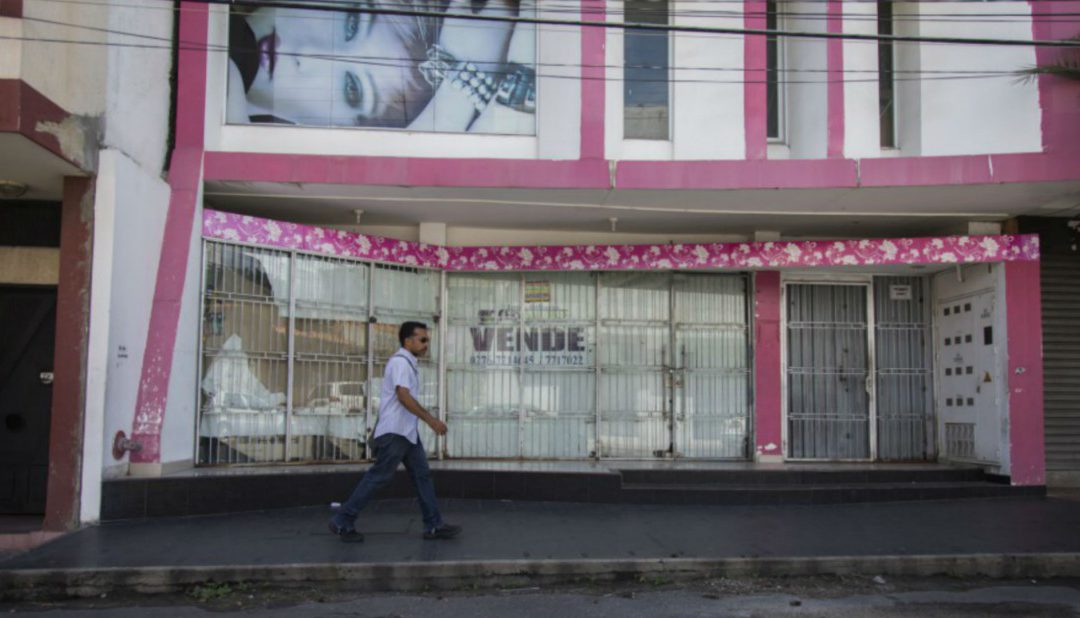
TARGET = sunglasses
x,y
424,339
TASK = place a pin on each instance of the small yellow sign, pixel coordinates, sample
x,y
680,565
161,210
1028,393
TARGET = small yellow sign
x,y
537,291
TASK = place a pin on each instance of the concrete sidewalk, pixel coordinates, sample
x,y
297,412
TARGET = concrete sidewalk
x,y
510,541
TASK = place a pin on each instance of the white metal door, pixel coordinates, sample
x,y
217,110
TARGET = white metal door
x,y
969,373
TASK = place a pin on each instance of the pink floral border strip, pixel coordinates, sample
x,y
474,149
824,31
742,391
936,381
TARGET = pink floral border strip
x,y
722,256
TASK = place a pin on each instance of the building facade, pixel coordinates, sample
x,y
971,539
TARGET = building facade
x,y
684,241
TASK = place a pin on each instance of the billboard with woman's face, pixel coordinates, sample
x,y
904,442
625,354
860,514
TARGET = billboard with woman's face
x,y
355,68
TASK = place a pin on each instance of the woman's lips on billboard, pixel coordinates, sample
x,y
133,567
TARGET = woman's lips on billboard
x,y
268,51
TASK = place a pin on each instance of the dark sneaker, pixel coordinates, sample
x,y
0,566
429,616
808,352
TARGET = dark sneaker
x,y
349,535
443,531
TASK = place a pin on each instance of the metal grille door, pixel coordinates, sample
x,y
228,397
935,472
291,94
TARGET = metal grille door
x,y
828,372
902,342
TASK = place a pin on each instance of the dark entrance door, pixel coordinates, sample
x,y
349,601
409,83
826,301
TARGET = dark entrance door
x,y
27,332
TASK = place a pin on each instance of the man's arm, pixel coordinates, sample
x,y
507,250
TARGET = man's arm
x,y
414,407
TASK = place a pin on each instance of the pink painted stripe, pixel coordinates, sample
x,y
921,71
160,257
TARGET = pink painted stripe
x,y
518,173
1023,311
899,172
185,174
768,420
153,392
712,256
835,72
594,173
593,97
191,77
755,93
760,174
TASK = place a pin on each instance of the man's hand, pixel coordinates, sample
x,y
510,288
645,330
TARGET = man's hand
x,y
438,426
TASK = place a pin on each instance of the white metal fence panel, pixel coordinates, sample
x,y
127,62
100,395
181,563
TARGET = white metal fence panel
x,y
245,355
329,359
558,366
538,365
286,337
635,365
482,373
711,330
401,294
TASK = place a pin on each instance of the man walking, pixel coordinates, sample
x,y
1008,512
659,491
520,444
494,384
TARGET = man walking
x,y
396,441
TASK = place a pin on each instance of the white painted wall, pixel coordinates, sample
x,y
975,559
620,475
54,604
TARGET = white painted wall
x,y
73,76
706,111
116,84
975,116
129,220
138,90
11,31
140,207
558,89
992,424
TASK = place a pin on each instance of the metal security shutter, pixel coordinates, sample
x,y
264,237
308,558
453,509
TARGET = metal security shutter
x,y
1061,349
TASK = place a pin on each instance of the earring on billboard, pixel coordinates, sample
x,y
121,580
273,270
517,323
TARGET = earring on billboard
x,y
438,64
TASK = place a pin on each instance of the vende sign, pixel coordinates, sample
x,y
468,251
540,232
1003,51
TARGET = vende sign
x,y
533,345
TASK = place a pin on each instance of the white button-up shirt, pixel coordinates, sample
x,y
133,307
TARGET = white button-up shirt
x,y
401,370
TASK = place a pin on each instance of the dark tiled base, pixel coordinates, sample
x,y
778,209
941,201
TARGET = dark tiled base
x,y
170,497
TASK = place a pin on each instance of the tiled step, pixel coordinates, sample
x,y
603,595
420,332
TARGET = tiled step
x,y
808,476
775,494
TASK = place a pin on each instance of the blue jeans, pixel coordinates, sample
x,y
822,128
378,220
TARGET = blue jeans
x,y
391,450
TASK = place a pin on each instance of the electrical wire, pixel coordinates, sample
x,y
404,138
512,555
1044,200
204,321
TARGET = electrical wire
x,y
407,63
358,59
333,5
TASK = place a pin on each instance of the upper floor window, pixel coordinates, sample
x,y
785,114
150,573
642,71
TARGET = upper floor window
x,y
646,54
886,76
773,72
353,68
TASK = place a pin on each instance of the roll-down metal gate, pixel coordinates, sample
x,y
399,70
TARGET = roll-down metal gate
x,y
1061,347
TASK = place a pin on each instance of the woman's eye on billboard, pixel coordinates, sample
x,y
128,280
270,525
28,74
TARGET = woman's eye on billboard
x,y
355,68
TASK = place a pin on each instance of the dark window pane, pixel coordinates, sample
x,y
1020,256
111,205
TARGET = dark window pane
x,y
886,85
645,85
772,71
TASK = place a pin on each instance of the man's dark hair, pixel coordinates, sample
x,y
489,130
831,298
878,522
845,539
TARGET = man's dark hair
x,y
407,330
